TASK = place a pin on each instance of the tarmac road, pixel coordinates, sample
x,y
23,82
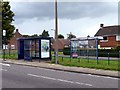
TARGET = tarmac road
x,y
18,76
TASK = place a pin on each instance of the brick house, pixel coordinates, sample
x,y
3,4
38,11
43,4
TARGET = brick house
x,y
61,43
13,40
111,36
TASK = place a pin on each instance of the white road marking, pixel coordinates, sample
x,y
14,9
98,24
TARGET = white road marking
x,y
101,76
110,77
83,84
97,76
3,69
67,81
42,76
5,64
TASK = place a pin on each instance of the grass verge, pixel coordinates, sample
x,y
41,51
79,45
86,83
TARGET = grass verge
x,y
101,64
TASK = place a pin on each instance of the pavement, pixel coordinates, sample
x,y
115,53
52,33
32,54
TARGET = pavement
x,y
47,65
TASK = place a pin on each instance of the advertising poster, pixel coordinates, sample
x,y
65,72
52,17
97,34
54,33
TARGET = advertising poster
x,y
74,48
45,48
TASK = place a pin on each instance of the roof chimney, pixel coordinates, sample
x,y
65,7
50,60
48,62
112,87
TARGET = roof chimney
x,y
16,30
101,25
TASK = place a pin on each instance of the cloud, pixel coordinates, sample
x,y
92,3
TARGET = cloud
x,y
85,9
28,10
66,10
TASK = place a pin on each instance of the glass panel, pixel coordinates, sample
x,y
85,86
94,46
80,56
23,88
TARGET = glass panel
x,y
35,48
27,49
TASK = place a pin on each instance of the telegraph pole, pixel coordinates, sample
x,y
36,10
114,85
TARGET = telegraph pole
x,y
56,33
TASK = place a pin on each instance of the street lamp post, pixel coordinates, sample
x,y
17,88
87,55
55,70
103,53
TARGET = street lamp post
x,y
54,42
4,45
56,33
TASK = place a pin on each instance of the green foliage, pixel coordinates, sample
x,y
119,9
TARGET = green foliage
x,y
25,35
45,34
35,35
82,62
7,18
66,50
101,52
104,52
118,48
70,36
60,36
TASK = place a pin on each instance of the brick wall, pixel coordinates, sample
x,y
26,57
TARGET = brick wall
x,y
110,43
13,40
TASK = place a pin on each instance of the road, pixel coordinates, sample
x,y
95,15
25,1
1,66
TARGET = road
x,y
17,76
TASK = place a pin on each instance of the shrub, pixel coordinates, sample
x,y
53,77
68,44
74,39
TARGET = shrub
x,y
66,50
104,53
118,48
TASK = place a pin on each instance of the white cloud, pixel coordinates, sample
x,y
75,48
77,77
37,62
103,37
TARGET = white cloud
x,y
64,0
80,19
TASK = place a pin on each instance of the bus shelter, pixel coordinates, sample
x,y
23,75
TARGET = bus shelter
x,y
34,48
84,47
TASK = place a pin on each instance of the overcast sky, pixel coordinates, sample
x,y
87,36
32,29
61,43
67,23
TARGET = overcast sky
x,y
80,18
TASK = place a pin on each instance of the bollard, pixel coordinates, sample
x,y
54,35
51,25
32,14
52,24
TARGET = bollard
x,y
70,59
108,58
88,59
97,61
62,58
54,56
78,59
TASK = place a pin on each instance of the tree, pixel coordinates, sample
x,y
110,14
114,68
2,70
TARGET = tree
x,y
0,25
35,35
70,36
7,19
45,34
60,36
25,35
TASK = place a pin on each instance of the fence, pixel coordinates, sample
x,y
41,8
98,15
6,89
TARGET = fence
x,y
110,63
90,56
108,57
9,54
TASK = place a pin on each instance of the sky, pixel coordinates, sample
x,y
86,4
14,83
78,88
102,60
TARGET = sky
x,y
80,17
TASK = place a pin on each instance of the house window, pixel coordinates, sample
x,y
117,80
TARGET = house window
x,y
105,38
117,38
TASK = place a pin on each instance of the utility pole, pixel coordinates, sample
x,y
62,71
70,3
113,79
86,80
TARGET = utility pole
x,y
56,33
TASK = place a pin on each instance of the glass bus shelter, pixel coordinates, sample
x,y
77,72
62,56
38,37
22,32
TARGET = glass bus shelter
x,y
34,48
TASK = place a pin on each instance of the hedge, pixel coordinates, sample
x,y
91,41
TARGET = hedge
x,y
101,52
104,52
66,50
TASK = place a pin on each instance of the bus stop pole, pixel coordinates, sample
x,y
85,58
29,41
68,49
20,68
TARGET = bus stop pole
x,y
97,49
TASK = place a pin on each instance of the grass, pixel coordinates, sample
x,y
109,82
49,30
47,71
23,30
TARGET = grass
x,y
102,64
59,53
11,56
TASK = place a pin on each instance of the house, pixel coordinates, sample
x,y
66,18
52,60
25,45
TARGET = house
x,y
13,40
111,36
61,43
